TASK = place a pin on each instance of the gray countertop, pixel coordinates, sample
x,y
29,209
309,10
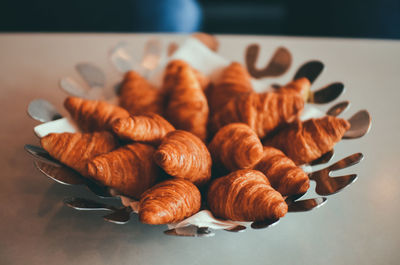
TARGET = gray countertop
x,y
358,225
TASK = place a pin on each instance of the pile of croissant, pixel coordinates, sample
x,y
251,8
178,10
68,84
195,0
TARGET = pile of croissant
x,y
198,144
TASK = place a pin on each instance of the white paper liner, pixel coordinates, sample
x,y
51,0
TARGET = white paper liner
x,y
209,63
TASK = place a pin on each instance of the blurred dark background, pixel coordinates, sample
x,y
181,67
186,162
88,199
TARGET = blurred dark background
x,y
341,18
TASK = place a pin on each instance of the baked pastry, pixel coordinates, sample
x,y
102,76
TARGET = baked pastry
x,y
245,195
263,112
150,128
282,173
301,86
138,96
236,146
306,141
234,81
93,115
129,169
169,201
183,155
170,76
187,107
75,149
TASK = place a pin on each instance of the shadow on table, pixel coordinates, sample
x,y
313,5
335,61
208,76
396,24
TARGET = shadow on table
x,y
77,232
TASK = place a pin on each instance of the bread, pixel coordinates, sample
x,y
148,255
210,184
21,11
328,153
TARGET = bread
x,y
169,201
138,96
129,169
187,107
306,141
183,155
282,173
93,115
245,195
75,149
150,128
263,112
236,146
234,81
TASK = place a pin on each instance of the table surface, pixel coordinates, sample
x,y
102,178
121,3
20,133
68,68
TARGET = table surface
x,y
358,225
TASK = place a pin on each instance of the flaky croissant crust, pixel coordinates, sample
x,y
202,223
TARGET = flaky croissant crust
x,y
75,149
306,141
245,195
169,201
93,115
236,146
150,128
263,112
183,155
138,96
187,107
282,173
129,169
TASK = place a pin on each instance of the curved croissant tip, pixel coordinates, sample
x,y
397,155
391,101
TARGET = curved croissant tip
x,y
161,157
280,210
71,102
91,169
256,153
149,217
131,75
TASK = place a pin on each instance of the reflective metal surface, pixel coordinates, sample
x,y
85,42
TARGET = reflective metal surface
x,y
92,74
43,111
278,64
326,94
327,185
338,108
311,70
360,125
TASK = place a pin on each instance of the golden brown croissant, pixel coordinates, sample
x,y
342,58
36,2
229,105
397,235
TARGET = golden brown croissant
x,y
183,155
170,76
262,112
75,149
129,169
138,96
149,128
93,115
282,173
187,107
169,201
234,81
306,141
301,86
236,146
245,195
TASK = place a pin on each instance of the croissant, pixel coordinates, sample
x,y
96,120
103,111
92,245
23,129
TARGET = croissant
x,y
245,195
170,76
75,149
262,112
93,115
138,96
169,201
234,81
236,146
129,169
183,155
283,174
149,128
187,108
306,141
301,86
